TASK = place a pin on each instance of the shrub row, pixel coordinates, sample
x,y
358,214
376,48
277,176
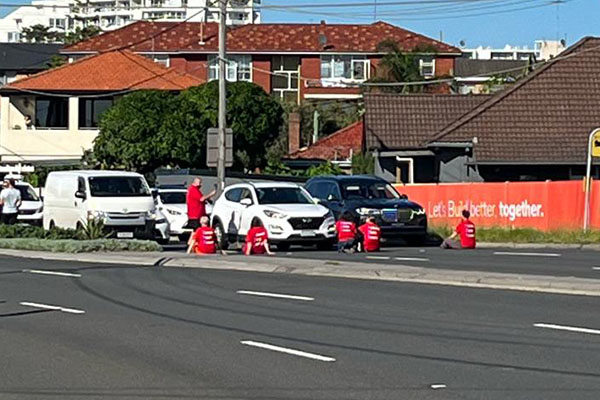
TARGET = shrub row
x,y
78,246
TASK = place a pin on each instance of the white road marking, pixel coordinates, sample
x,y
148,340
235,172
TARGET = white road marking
x,y
275,295
378,258
568,328
287,351
438,386
42,272
51,307
596,268
510,253
411,259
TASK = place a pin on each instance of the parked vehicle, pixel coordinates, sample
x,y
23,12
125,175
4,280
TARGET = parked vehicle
x,y
122,200
32,207
288,212
363,196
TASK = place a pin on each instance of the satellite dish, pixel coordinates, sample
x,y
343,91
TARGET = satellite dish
x,y
462,43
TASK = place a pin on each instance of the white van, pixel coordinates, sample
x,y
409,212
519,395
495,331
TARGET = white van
x,y
122,200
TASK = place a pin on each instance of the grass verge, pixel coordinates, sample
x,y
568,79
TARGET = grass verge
x,y
78,246
526,235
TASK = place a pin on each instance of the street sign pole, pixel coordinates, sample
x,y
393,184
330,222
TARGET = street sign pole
x,y
593,150
222,95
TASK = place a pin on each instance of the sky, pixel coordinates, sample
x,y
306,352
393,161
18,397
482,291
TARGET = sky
x,y
493,23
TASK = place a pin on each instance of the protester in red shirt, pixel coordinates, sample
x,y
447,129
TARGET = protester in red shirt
x,y
466,231
196,203
371,235
257,239
346,231
204,240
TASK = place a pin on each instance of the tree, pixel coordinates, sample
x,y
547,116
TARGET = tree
x,y
56,61
363,164
80,34
40,34
130,132
253,115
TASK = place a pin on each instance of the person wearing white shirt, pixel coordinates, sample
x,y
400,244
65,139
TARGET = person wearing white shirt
x,y
10,199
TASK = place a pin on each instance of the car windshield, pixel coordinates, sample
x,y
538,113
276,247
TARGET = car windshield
x,y
282,195
27,193
368,190
118,186
172,197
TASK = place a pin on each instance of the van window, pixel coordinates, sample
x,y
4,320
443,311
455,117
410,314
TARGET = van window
x,y
118,186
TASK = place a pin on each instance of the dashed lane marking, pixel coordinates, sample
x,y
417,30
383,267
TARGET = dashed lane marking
x,y
510,253
56,273
52,307
411,259
275,295
568,328
286,350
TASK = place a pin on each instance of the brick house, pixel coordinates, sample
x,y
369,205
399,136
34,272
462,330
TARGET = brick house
x,y
292,61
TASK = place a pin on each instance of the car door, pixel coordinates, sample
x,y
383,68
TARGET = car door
x,y
246,212
228,210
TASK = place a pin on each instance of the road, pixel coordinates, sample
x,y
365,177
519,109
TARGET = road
x,y
126,332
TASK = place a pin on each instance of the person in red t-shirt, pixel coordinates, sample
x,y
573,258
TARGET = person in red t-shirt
x,y
204,240
466,231
371,235
346,231
196,203
257,239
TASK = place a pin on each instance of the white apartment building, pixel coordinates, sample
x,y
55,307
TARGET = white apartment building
x,y
67,15
51,13
543,50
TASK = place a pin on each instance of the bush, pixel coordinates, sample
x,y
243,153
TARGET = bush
x,y
37,232
79,246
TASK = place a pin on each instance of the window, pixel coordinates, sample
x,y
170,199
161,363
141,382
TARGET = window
x,y
282,195
59,23
427,67
238,68
52,112
349,67
233,195
90,111
118,186
162,60
14,37
284,81
369,190
325,191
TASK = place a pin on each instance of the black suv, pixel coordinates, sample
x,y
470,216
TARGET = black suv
x,y
364,195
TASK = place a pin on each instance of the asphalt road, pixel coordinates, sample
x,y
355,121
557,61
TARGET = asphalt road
x,y
165,333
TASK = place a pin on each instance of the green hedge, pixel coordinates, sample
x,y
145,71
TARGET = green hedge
x,y
78,246
526,235
37,232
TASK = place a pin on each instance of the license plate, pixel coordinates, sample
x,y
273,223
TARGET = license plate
x,y
389,215
308,234
125,235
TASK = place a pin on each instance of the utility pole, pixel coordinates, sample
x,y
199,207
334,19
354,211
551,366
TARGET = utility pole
x,y
222,94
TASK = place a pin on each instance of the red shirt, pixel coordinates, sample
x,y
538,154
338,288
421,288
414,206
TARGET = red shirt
x,y
466,230
205,240
371,236
195,205
256,238
346,230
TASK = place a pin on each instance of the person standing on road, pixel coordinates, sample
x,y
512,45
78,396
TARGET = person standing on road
x,y
466,230
196,203
371,235
10,199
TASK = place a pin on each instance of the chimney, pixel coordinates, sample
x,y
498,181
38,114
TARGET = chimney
x,y
293,132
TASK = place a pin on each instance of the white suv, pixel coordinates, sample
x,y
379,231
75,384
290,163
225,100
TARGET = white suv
x,y
287,211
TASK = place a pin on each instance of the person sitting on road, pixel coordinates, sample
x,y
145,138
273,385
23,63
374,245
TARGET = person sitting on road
x,y
346,231
204,240
257,239
466,230
371,235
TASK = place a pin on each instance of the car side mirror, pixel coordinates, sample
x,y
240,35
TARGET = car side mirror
x,y
246,202
80,195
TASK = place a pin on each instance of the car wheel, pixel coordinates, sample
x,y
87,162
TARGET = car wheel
x,y
283,246
221,236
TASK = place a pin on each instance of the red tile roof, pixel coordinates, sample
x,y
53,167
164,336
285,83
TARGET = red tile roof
x,y
115,70
148,36
544,118
337,146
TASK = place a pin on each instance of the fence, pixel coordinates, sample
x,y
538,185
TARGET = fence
x,y
541,205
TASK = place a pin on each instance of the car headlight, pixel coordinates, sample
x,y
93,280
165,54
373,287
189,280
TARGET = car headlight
x,y
420,211
96,214
173,212
274,214
39,210
368,211
161,221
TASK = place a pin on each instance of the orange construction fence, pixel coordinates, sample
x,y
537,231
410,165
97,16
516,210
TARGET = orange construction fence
x,y
541,205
